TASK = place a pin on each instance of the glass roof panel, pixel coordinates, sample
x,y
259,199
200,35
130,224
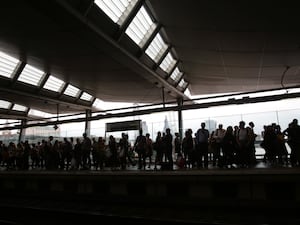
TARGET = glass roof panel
x,y
176,75
72,91
31,75
54,84
98,103
141,27
34,112
187,93
168,63
157,48
4,104
18,107
85,96
8,65
182,83
117,10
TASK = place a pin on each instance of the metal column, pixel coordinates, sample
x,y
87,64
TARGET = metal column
x,y
22,131
87,129
180,128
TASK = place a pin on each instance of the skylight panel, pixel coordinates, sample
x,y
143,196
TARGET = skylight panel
x,y
98,103
72,91
31,75
188,93
18,107
85,96
54,84
116,10
168,63
182,83
37,113
141,27
157,48
4,104
7,65
176,75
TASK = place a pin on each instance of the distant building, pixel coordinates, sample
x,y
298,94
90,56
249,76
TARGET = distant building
x,y
145,127
32,134
42,131
210,125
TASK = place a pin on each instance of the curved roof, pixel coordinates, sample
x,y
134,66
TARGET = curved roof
x,y
215,47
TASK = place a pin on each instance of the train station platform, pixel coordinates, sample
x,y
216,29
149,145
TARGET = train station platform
x,y
206,196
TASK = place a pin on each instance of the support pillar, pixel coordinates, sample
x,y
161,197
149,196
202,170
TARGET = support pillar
x,y
22,130
87,129
163,96
180,127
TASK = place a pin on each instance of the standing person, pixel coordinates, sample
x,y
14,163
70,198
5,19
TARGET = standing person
x,y
112,144
177,143
78,154
94,151
168,142
243,144
158,147
48,156
101,153
293,134
124,145
229,147
218,136
86,147
282,152
66,154
202,137
252,136
149,149
188,148
140,148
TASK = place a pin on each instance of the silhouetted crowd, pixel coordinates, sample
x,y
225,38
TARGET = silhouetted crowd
x,y
233,147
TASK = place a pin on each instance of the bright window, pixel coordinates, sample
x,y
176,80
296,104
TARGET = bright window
x,y
176,75
85,96
187,93
4,104
98,103
182,83
168,63
54,84
117,10
141,27
157,48
37,113
7,65
31,75
72,91
21,108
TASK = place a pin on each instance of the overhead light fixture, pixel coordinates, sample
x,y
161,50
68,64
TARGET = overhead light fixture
x,y
55,127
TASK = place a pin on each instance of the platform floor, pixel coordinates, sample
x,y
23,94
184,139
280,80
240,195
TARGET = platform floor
x,y
79,210
259,168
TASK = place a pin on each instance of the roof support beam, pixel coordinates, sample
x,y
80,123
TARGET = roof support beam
x,y
172,70
116,51
45,78
22,130
164,109
162,57
18,71
23,93
119,34
150,39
